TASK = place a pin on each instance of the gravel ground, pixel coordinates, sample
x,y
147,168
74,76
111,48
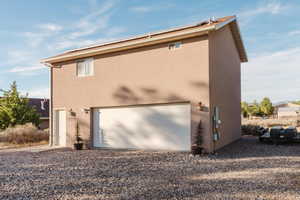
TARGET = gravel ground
x,y
243,170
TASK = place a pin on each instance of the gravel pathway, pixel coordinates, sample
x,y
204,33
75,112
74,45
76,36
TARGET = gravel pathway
x,y
243,170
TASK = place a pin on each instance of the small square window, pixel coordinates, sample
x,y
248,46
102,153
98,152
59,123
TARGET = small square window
x,y
85,67
174,45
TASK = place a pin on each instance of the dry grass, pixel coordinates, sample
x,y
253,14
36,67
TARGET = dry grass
x,y
23,134
271,122
4,145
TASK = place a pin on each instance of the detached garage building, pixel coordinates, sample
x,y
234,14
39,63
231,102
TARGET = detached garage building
x,y
151,91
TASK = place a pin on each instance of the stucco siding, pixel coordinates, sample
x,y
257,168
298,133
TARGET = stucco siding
x,y
147,75
225,84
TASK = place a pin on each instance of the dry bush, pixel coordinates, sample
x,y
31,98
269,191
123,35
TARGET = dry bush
x,y
22,134
271,122
251,130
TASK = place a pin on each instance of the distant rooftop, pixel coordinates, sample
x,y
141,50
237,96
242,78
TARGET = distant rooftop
x,y
289,109
41,106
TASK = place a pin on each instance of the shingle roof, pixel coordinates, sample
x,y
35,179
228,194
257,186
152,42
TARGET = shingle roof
x,y
41,106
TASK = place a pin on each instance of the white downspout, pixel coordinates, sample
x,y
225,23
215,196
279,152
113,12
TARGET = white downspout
x,y
50,104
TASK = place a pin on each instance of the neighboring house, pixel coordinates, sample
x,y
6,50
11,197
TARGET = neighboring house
x,y
42,107
151,91
286,110
285,104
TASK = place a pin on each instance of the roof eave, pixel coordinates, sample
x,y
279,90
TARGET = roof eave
x,y
129,45
237,37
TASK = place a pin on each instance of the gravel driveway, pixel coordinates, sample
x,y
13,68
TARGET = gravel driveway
x,y
243,170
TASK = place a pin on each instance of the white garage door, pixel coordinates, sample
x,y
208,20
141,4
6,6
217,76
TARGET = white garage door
x,y
143,127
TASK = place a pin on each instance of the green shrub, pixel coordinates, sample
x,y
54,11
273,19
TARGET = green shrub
x,y
15,109
22,134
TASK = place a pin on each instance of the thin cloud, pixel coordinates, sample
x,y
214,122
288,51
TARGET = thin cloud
x,y
50,27
69,37
15,57
104,8
25,69
142,9
271,7
44,31
22,63
93,22
294,33
39,92
115,31
267,7
67,44
86,28
34,39
145,9
272,74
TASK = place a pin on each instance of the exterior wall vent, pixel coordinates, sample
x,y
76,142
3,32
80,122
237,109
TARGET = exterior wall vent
x,y
174,45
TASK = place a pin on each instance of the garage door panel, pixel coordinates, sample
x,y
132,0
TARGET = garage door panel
x,y
147,127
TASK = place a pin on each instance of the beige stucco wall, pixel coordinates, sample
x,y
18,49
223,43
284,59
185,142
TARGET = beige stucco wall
x,y
147,75
225,84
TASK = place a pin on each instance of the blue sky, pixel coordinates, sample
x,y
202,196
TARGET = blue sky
x,y
37,29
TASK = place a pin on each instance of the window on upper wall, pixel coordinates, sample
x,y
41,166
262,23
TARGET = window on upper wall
x,y
85,67
174,45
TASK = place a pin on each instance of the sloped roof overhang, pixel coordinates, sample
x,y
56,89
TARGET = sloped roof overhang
x,y
151,39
